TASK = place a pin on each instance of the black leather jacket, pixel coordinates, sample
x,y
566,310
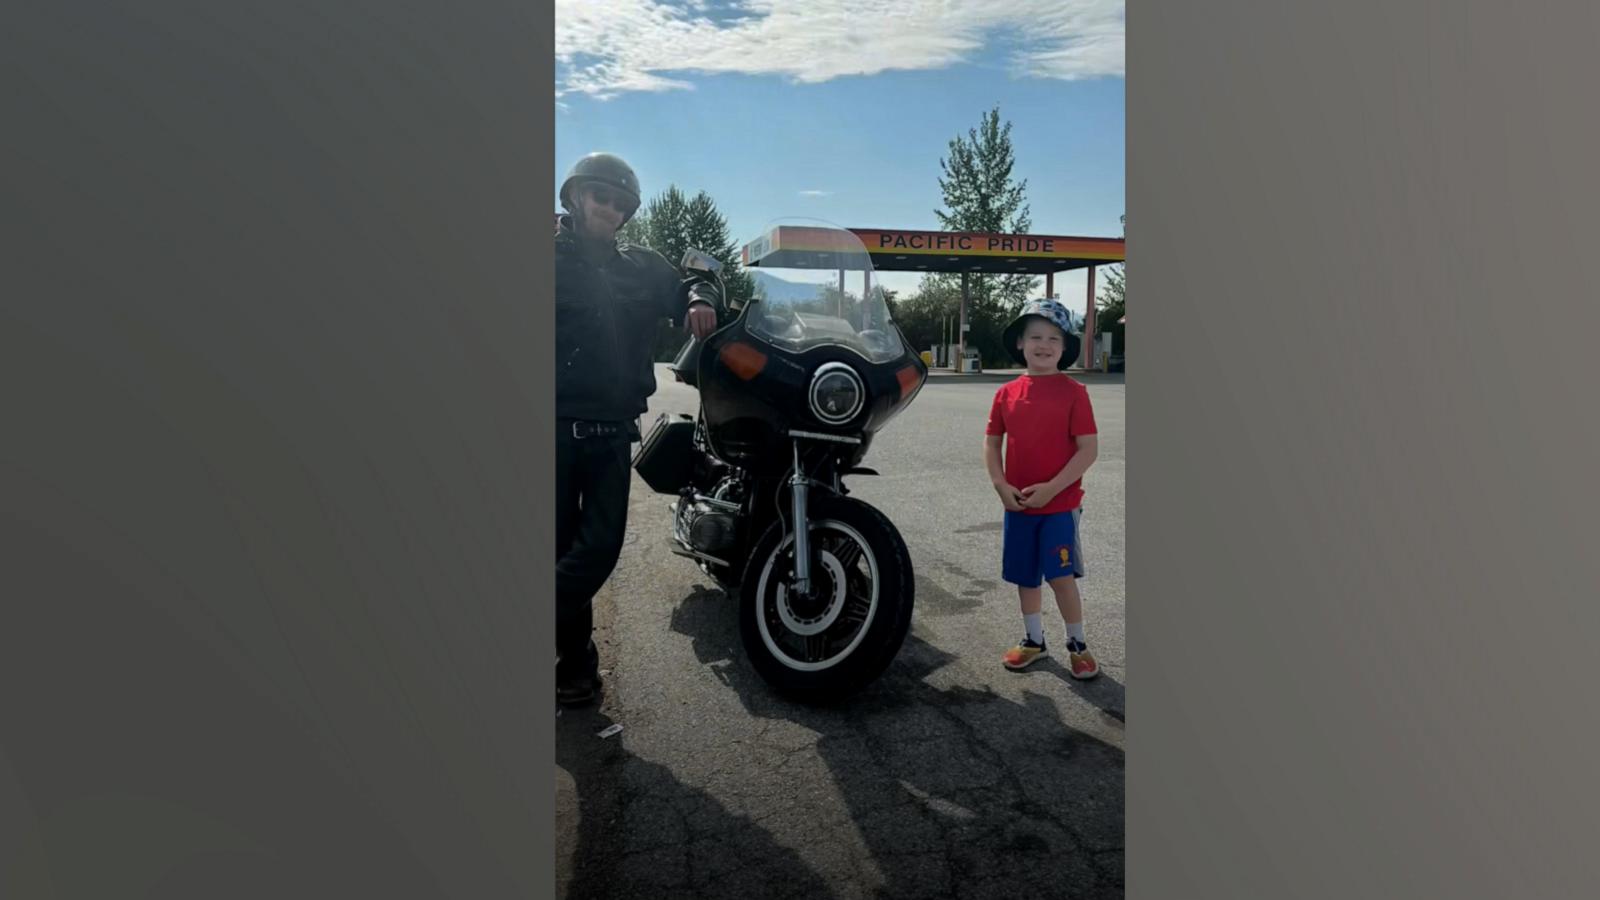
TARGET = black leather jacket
x,y
609,301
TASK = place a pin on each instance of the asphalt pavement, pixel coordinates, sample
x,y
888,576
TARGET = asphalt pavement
x,y
948,777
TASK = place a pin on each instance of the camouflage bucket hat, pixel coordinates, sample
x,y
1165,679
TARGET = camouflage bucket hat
x,y
1053,312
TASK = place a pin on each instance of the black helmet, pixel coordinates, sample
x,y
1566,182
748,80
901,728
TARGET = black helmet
x,y
604,168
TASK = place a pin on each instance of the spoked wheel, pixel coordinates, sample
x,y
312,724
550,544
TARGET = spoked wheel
x,y
827,643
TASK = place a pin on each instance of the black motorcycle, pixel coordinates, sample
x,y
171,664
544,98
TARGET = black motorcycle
x,y
793,387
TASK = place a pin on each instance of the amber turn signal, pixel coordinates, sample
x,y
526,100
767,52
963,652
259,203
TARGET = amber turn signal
x,y
743,360
909,380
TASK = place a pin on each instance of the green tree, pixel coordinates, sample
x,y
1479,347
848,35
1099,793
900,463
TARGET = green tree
x,y
707,230
636,230
672,223
1113,296
924,314
667,223
891,301
1113,303
981,195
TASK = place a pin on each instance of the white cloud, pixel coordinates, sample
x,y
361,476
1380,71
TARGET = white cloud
x,y
816,193
607,47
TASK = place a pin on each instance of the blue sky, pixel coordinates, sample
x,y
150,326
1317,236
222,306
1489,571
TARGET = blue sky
x,y
841,111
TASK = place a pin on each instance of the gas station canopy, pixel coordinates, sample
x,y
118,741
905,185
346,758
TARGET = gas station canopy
x,y
956,252
931,251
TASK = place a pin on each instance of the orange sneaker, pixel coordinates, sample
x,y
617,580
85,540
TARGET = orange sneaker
x,y
1081,662
1023,655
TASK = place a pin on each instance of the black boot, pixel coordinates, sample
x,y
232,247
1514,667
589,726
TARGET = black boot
x,y
578,677
577,690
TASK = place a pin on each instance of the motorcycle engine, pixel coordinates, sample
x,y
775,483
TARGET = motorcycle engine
x,y
711,531
713,527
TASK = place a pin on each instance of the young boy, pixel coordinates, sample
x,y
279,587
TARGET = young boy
x,y
1047,426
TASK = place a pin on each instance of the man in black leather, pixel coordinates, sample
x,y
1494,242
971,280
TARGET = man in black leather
x,y
609,297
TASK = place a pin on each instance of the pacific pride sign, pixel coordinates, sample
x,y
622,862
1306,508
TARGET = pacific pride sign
x,y
809,247
971,244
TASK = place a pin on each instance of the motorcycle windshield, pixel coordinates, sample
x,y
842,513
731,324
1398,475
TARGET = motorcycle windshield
x,y
814,286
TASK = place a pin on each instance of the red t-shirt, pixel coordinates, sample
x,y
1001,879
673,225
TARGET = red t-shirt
x,y
1041,417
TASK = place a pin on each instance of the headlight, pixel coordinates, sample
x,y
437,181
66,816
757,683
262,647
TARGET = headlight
x,y
836,393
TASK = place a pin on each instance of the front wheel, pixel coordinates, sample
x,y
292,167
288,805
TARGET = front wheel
x,y
828,644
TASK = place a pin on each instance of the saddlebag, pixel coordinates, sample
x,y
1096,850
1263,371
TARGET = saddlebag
x,y
665,459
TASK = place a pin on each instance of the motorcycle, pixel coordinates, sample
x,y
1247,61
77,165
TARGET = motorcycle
x,y
793,386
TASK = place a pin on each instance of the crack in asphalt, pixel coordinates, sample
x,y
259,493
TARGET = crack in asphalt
x,y
672,816
922,786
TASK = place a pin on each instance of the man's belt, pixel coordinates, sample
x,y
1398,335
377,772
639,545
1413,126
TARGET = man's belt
x,y
582,430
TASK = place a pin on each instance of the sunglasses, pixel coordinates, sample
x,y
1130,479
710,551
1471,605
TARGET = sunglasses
x,y
620,202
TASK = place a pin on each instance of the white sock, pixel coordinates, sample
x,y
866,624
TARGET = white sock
x,y
1035,624
1075,632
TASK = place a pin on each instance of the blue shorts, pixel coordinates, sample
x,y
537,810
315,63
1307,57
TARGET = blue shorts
x,y
1041,547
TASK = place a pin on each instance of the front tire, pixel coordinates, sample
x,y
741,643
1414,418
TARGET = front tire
x,y
823,648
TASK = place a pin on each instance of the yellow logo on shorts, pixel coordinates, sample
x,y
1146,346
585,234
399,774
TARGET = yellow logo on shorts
x,y
1066,556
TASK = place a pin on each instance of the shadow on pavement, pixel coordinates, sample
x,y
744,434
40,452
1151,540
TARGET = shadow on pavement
x,y
1102,692
642,833
955,790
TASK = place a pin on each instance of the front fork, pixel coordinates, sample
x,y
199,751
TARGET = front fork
x,y
799,487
